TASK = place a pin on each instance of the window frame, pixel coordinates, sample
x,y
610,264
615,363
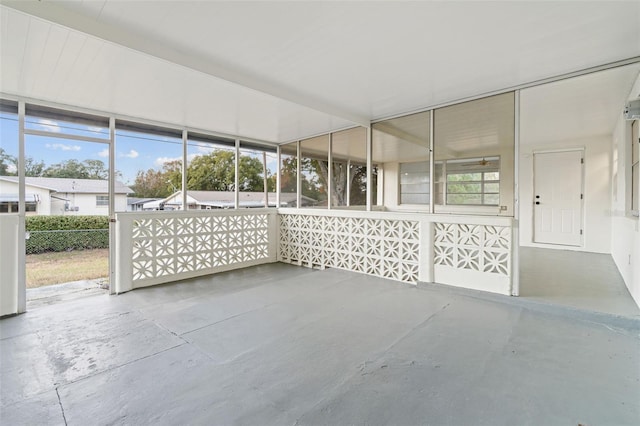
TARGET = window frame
x,y
102,201
483,182
634,186
427,173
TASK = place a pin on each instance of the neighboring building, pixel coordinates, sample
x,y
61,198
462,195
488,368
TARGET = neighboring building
x,y
138,204
207,200
62,196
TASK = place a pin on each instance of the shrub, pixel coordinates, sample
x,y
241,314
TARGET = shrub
x,y
56,223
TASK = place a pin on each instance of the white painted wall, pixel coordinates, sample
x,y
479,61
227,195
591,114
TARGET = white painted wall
x,y
43,207
86,204
597,191
48,205
8,264
625,235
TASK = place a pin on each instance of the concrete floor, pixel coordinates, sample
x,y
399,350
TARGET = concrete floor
x,y
589,281
283,345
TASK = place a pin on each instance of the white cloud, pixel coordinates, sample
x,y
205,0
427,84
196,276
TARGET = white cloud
x,y
49,125
132,154
63,147
161,160
104,153
11,168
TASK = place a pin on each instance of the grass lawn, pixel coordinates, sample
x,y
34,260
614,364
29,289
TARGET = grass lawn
x,y
56,268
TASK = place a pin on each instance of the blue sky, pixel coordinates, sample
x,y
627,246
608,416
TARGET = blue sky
x,y
134,151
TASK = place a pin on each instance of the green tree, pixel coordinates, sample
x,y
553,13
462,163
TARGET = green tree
x,y
67,169
151,184
32,167
251,171
212,172
312,179
7,163
288,170
173,175
96,169
87,169
216,172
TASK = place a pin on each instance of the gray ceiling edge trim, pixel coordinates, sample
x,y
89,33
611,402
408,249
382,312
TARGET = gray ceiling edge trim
x,y
315,135
58,15
83,110
585,71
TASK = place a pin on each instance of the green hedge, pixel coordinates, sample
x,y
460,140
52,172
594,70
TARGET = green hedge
x,y
56,223
66,233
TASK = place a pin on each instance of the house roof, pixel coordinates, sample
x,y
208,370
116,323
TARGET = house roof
x,y
136,200
75,186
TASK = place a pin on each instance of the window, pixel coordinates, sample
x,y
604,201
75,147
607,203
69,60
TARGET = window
x,y
474,181
635,168
257,181
102,200
288,174
349,168
12,207
315,171
414,183
400,154
474,151
149,161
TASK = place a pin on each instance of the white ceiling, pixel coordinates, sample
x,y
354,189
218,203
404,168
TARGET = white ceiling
x,y
280,71
576,108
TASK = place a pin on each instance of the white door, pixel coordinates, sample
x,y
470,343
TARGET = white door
x,y
557,197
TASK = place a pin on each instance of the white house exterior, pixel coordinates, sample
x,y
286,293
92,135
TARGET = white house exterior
x,y
62,196
135,204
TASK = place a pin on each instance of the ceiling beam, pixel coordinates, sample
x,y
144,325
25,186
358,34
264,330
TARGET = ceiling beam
x,y
128,39
392,130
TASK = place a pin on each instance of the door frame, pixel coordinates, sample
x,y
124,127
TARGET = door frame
x,y
582,150
22,132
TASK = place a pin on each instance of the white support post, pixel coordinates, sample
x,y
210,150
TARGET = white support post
x,y
112,213
236,188
330,172
123,251
432,164
278,172
426,265
348,182
264,179
185,145
22,232
369,169
515,240
298,176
